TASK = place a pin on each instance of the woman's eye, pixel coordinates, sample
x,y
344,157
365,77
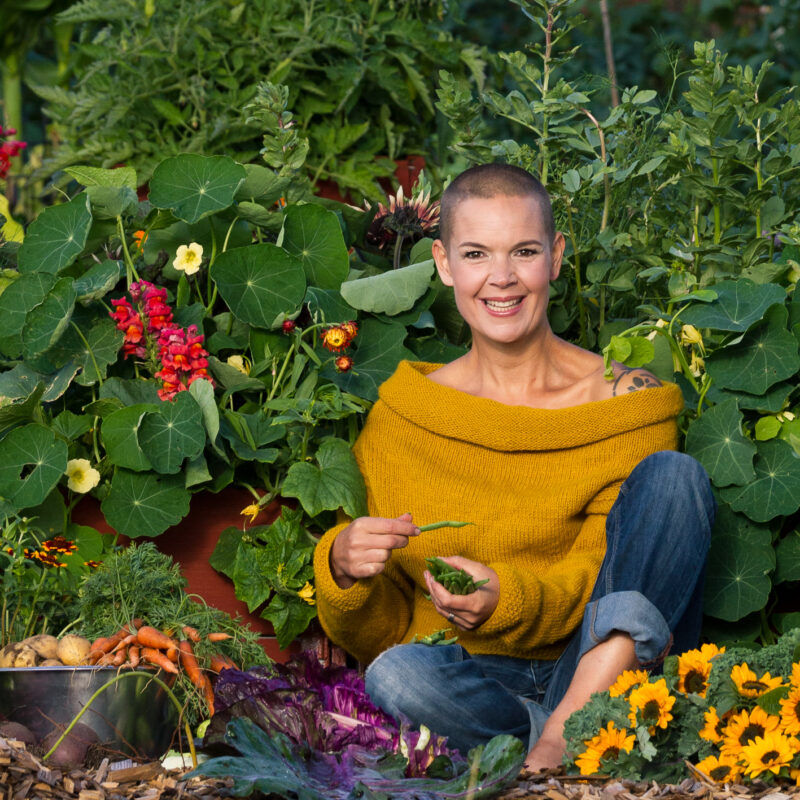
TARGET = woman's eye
x,y
473,254
526,252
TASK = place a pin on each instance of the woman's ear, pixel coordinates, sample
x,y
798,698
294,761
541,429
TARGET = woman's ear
x,y
442,265
556,255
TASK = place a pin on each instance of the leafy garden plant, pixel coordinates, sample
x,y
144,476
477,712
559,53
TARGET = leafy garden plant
x,y
213,334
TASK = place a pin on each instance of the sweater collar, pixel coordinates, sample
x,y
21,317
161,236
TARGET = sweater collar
x,y
488,423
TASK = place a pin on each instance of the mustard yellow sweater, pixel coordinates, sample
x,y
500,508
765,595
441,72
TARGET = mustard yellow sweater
x,y
537,483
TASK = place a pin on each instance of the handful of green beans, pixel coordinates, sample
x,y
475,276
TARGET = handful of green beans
x,y
439,637
454,579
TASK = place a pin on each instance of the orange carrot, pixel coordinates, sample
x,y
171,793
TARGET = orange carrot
x,y
189,663
172,654
208,692
153,638
129,639
218,637
158,658
191,633
100,645
119,657
133,655
137,622
220,662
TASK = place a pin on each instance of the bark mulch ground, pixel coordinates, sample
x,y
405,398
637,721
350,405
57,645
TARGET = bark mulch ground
x,y
23,776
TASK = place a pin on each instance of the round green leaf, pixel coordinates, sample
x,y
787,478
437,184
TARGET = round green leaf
x,y
32,460
173,432
109,202
261,184
715,439
45,323
120,434
766,354
259,282
314,236
56,237
18,299
326,305
98,280
21,381
787,556
739,562
92,352
336,483
379,349
739,304
97,176
145,504
390,292
776,488
194,186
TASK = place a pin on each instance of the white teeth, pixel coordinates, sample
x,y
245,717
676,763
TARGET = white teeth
x,y
503,303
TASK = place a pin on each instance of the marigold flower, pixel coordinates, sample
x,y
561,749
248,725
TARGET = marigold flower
x,y
188,258
59,544
343,363
749,685
92,564
768,753
627,680
140,237
240,363
81,475
693,672
790,711
307,593
335,339
606,746
745,727
652,703
48,559
720,769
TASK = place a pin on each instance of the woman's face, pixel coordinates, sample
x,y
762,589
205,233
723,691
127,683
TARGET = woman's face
x,y
500,264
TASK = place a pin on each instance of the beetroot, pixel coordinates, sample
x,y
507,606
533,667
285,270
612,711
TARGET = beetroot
x,y
72,751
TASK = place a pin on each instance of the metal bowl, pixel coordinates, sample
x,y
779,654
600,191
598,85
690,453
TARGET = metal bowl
x,y
134,716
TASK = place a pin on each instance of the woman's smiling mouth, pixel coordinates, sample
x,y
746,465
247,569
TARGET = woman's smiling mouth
x,y
498,305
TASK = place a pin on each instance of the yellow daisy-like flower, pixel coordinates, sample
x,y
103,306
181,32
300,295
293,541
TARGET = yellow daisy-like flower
x,y
746,727
307,593
81,475
790,711
712,731
627,680
767,753
720,769
606,745
748,684
693,672
240,363
188,258
651,702
251,511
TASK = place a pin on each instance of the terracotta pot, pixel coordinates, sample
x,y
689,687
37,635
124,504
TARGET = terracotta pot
x,y
407,171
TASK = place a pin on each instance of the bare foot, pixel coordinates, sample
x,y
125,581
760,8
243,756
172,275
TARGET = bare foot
x,y
546,754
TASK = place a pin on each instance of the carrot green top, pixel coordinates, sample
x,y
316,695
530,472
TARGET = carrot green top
x,y
537,483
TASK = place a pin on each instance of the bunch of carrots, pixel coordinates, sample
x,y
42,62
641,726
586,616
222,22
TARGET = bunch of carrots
x,y
135,644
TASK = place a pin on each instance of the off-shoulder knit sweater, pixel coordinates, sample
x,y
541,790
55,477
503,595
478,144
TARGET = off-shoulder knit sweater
x,y
536,483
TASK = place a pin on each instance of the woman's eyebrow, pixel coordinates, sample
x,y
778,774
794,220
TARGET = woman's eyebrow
x,y
526,243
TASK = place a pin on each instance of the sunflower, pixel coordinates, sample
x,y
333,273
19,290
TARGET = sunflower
x,y
745,727
693,672
652,703
768,753
794,680
712,732
790,710
720,768
709,651
627,680
606,746
749,685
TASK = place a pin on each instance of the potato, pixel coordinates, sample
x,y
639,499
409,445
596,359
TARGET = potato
x,y
50,662
8,654
72,751
26,657
46,646
73,650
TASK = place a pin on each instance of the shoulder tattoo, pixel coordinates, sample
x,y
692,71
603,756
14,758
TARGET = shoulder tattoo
x,y
631,379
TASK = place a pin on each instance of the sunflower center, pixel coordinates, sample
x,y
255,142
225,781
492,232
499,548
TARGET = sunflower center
x,y
796,710
754,686
720,772
610,752
750,733
695,681
651,709
770,755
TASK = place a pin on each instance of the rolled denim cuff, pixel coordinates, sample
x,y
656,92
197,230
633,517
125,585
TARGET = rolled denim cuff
x,y
631,613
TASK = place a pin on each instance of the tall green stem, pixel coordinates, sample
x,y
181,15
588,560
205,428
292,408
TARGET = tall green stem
x,y
11,67
717,221
130,268
576,263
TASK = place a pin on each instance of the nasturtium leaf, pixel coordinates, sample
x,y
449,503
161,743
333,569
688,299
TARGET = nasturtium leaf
x,y
110,202
223,559
56,237
776,488
325,305
739,563
379,350
172,432
390,292
619,348
16,301
98,280
45,323
336,483
130,391
120,435
193,186
313,235
259,282
123,177
715,439
203,393
739,304
771,401
32,460
790,433
261,184
196,471
766,355
93,350
70,426
145,504
20,381
289,616
14,412
767,428
257,214
787,556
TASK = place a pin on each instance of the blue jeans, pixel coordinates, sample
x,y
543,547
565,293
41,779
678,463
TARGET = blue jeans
x,y
650,585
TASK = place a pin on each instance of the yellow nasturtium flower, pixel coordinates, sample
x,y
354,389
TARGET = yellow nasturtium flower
x,y
81,475
188,258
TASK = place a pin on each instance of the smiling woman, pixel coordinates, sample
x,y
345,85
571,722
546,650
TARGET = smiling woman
x,y
589,534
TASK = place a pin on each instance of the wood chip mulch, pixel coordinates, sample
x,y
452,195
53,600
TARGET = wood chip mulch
x,y
23,776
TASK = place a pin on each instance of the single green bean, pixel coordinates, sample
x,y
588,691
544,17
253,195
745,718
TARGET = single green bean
x,y
446,524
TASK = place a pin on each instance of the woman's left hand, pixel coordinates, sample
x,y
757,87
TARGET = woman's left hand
x,y
466,611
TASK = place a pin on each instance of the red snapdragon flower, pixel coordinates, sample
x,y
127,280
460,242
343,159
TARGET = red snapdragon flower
x,y
8,150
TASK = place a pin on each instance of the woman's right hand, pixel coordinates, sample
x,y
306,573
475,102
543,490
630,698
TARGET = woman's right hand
x,y
362,549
